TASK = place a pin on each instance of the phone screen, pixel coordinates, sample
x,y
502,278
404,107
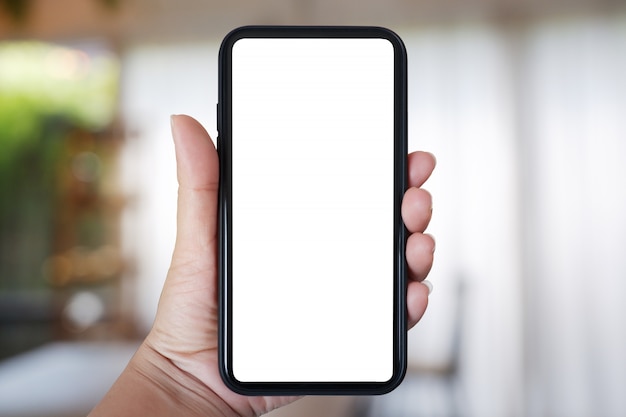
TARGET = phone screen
x,y
312,181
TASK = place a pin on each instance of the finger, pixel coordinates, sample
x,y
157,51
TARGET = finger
x,y
417,208
198,176
416,302
421,165
420,250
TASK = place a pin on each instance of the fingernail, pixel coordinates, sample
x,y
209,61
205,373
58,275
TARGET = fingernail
x,y
428,285
172,122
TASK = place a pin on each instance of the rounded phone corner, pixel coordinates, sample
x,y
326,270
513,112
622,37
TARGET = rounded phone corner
x,y
232,383
233,36
394,382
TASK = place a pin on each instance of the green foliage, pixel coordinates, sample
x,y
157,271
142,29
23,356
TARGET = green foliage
x,y
41,82
46,91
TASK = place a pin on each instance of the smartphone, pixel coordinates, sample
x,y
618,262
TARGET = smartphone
x,y
312,143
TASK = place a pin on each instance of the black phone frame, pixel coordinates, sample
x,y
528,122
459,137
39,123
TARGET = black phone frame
x,y
225,220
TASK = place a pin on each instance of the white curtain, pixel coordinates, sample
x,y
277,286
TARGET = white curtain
x,y
529,125
575,228
461,108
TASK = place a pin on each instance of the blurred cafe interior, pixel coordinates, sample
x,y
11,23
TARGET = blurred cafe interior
x,y
523,102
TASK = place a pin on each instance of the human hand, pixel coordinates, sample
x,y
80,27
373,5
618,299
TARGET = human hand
x,y
175,371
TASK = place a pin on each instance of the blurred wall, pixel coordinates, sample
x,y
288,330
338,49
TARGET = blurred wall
x,y
523,104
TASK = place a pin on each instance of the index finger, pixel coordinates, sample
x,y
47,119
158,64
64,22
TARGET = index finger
x,y
421,165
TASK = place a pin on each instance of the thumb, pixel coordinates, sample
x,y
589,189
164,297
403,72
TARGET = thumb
x,y
198,177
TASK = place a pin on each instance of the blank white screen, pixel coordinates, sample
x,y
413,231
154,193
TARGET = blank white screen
x,y
312,210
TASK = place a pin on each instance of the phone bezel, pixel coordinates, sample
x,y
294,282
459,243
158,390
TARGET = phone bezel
x,y
225,221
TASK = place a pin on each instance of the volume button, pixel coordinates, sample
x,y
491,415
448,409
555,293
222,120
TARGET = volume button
x,y
218,113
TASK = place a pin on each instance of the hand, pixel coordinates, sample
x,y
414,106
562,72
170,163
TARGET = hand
x,y
175,371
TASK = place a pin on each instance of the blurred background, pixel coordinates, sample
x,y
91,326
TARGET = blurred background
x,y
523,103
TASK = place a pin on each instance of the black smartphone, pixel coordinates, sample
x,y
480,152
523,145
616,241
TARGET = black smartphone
x,y
312,143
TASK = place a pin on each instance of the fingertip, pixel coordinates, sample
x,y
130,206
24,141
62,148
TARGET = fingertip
x,y
421,166
433,158
417,302
184,125
420,250
196,157
416,209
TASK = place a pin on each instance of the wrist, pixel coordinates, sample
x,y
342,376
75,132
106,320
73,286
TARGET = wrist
x,y
152,385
